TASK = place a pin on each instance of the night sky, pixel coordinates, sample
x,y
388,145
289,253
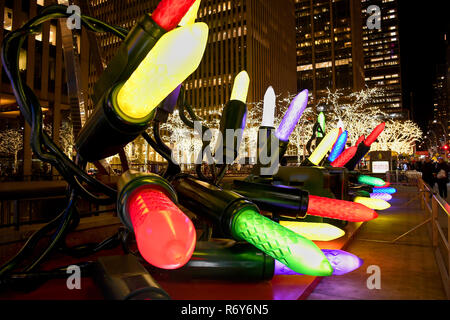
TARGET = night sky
x,y
422,27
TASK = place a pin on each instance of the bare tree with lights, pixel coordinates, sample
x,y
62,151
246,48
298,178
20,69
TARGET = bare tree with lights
x,y
11,142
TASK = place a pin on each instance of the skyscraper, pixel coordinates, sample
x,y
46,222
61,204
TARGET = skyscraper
x,y
329,46
382,57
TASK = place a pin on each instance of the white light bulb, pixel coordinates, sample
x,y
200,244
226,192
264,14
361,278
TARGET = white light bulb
x,y
269,108
340,124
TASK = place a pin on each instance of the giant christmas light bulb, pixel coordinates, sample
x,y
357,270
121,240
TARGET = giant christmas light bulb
x,y
292,116
240,87
295,203
324,146
339,209
321,121
340,124
284,245
313,230
234,117
374,134
345,156
165,236
383,196
338,147
174,57
389,190
364,147
341,261
387,184
269,108
376,204
371,181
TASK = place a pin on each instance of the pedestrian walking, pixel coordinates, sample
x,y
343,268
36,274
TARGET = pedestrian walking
x,y
428,171
442,177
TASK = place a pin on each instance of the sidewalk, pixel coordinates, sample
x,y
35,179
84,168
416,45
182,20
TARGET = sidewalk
x,y
408,267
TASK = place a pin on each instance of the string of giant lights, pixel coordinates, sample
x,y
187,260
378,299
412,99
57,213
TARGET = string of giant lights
x,y
259,216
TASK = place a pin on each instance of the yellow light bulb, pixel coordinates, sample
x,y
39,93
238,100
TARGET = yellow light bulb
x,y
174,57
375,204
324,146
240,87
191,15
314,231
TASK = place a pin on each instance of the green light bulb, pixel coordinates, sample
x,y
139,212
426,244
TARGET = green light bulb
x,y
282,244
321,121
371,181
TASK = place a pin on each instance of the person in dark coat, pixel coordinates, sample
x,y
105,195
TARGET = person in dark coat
x,y
442,177
428,171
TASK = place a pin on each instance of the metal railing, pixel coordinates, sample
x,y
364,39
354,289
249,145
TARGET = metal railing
x,y
439,217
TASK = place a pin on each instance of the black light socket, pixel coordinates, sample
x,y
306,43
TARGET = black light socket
x,y
282,200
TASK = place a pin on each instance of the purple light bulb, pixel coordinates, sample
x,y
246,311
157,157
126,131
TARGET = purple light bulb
x,y
342,262
292,115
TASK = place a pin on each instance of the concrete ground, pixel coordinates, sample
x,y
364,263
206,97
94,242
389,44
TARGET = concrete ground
x,y
408,268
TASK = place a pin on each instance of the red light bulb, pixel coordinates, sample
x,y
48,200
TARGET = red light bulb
x,y
339,209
385,186
361,139
164,234
169,13
374,135
344,157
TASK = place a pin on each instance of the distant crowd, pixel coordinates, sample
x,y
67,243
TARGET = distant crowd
x,y
433,172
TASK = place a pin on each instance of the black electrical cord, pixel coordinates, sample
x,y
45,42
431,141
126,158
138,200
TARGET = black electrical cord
x,y
42,145
28,247
32,280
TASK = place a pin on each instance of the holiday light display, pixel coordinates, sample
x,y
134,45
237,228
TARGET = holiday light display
x,y
342,262
373,203
372,181
164,234
338,147
149,65
269,108
237,217
324,146
345,156
292,115
234,117
383,196
339,209
174,57
146,76
321,122
294,202
388,190
240,261
313,230
364,147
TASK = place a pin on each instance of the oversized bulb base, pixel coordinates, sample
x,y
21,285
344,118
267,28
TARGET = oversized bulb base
x,y
164,234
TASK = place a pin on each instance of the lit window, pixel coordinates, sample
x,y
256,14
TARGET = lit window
x,y
7,19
